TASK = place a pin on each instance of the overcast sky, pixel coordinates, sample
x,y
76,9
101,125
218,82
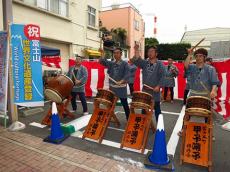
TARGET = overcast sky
x,y
173,15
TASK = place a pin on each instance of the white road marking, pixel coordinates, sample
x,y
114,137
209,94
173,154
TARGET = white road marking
x,y
108,143
35,124
170,113
78,101
80,123
174,138
118,129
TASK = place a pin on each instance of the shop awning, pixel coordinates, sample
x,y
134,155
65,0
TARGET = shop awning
x,y
48,51
93,53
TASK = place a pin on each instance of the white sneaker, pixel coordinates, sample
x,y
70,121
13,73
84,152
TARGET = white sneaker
x,y
86,113
72,111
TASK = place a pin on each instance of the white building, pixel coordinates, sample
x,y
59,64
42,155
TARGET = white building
x,y
217,41
69,25
210,35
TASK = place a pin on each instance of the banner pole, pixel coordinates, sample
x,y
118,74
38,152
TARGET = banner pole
x,y
15,124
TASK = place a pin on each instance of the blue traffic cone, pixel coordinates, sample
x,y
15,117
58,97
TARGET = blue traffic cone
x,y
158,158
159,154
57,136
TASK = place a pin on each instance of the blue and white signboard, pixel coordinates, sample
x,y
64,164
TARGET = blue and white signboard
x,y
27,65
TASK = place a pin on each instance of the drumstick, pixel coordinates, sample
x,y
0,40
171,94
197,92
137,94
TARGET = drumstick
x,y
118,86
74,76
198,44
79,79
204,86
148,86
113,80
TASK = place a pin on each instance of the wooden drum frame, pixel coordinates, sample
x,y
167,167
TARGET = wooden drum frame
x,y
105,97
142,100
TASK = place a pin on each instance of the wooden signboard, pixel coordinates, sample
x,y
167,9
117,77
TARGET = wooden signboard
x,y
196,147
97,124
136,132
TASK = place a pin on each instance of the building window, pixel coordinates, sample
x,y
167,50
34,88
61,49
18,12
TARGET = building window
x,y
42,4
91,16
60,7
54,6
63,7
136,24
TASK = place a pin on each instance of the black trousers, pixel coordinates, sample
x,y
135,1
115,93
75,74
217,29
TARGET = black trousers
x,y
125,105
166,92
131,89
82,99
185,96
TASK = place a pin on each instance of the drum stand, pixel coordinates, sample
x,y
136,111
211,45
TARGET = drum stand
x,y
100,119
198,112
148,123
62,112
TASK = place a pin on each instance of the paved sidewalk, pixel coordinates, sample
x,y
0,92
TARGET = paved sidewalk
x,y
20,152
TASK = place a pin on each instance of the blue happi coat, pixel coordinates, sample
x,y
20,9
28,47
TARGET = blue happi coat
x,y
202,79
152,74
117,71
82,75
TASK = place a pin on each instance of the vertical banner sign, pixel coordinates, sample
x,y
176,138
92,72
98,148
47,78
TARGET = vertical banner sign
x,y
3,71
27,65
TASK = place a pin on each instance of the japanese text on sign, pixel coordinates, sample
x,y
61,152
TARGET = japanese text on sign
x,y
27,71
196,144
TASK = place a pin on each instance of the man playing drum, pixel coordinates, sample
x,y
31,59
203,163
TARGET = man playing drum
x,y
79,76
118,71
169,82
153,72
203,77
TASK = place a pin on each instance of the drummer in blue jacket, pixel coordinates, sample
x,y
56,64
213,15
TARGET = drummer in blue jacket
x,y
118,72
79,76
203,77
153,73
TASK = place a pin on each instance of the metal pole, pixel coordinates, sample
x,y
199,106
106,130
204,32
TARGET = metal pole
x,y
8,18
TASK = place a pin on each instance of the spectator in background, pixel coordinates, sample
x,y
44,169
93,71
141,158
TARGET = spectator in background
x,y
79,76
171,72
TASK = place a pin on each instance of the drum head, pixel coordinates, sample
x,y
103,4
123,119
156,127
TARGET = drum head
x,y
141,92
198,97
52,95
199,110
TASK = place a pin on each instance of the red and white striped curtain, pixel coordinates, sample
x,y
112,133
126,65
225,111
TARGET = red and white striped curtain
x,y
97,78
51,61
